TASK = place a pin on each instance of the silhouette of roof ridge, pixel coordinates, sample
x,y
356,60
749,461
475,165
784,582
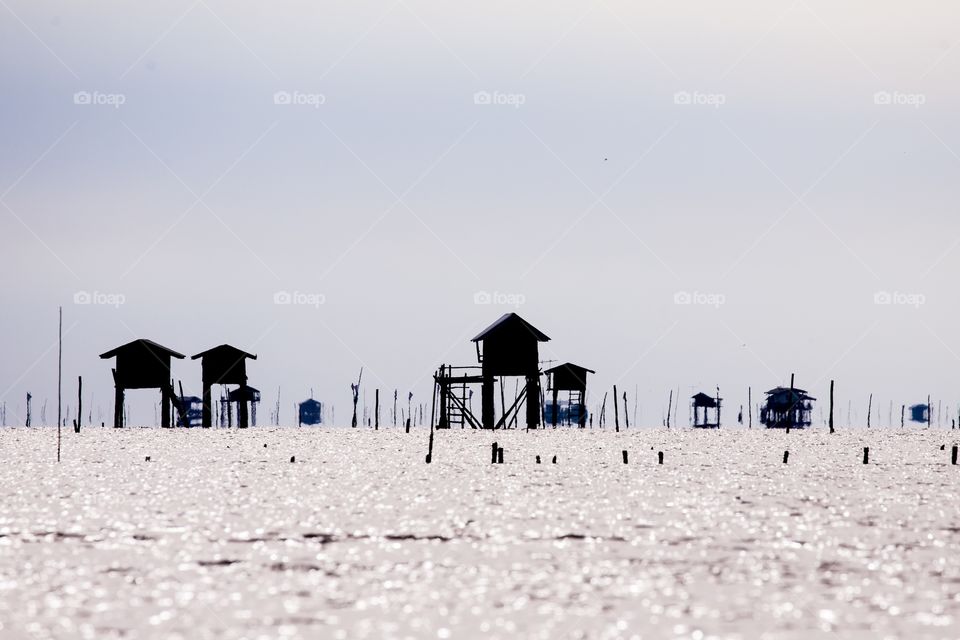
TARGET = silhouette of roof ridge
x,y
568,365
224,346
144,342
511,318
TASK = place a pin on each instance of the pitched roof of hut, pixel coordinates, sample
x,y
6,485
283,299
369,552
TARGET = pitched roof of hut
x,y
797,391
569,366
226,350
703,400
244,393
142,343
510,322
310,402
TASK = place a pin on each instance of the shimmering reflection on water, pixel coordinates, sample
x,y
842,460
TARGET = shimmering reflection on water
x,y
220,537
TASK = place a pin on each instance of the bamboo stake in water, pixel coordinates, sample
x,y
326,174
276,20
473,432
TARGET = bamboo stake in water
x,y
59,377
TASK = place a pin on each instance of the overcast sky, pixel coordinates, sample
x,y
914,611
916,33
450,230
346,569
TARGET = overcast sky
x,y
680,194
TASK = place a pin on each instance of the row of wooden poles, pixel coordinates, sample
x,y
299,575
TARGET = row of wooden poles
x,y
497,456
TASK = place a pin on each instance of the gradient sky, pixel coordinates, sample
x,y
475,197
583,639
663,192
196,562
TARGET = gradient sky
x,y
788,193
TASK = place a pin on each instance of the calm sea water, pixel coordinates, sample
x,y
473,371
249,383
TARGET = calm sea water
x,y
219,536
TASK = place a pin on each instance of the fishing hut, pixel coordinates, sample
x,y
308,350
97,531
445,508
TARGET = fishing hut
x,y
192,412
787,408
143,364
245,399
920,413
703,406
507,348
310,412
225,365
571,378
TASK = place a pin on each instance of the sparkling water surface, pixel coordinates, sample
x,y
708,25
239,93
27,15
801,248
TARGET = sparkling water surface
x,y
219,536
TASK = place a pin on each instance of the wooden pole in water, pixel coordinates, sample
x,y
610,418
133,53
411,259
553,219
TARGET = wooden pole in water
x,y
669,408
626,410
903,409
376,409
59,377
76,427
603,410
869,410
616,410
929,412
831,406
750,407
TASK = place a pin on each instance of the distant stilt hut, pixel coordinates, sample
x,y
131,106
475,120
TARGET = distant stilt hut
x,y
787,408
143,364
510,347
244,397
310,412
920,413
702,404
192,411
571,378
225,364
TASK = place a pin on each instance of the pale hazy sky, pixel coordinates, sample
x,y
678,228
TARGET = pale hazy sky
x,y
787,191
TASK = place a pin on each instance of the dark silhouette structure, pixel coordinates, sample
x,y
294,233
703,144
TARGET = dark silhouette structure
x,y
143,364
246,399
192,410
920,413
310,412
508,347
787,408
702,404
571,378
225,364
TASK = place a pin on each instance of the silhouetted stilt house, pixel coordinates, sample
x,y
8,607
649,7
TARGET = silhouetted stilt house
x,y
243,397
702,404
143,364
310,412
571,378
787,409
920,413
508,347
192,411
224,364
